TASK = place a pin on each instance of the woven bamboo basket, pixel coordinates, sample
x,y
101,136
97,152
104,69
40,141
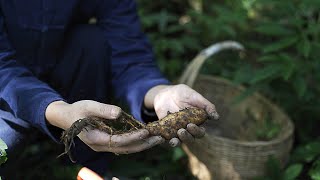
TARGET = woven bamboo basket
x,y
229,150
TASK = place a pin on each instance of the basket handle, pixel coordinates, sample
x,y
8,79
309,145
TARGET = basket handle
x,y
189,75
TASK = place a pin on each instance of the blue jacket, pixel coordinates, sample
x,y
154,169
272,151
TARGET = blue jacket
x,y
31,32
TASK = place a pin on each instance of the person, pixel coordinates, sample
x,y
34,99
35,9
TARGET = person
x,y
55,68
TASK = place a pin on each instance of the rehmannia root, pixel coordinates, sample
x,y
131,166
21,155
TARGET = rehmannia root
x,y
166,127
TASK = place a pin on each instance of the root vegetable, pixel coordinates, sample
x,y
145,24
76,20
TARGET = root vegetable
x,y
166,127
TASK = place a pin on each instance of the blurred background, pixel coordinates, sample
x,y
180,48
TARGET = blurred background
x,y
281,61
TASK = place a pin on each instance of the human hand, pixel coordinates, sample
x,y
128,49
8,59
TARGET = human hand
x,y
62,115
174,98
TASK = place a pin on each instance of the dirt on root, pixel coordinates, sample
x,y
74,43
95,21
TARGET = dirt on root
x,y
166,127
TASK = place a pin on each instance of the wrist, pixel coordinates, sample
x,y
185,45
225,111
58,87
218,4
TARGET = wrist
x,y
54,114
151,94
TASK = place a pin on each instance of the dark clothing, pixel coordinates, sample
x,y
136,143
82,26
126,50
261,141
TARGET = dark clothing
x,y
46,55
32,42
83,73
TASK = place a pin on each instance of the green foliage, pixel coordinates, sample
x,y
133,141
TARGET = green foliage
x,y
310,155
306,153
282,40
292,172
39,161
268,130
3,154
156,163
315,170
274,171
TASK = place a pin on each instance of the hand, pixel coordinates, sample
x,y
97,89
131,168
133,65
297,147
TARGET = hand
x,y
62,115
176,97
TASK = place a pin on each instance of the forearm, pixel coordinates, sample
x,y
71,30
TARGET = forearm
x,y
55,113
151,94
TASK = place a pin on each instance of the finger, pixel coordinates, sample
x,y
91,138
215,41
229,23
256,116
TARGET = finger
x,y
199,101
140,146
174,142
99,138
195,130
103,110
184,136
163,112
129,138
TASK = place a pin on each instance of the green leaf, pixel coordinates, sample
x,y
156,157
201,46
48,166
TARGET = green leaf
x,y
273,168
304,47
288,71
293,171
3,157
3,154
178,153
268,58
265,73
314,172
273,30
307,152
162,19
3,145
174,29
281,44
284,60
248,92
242,75
315,175
300,86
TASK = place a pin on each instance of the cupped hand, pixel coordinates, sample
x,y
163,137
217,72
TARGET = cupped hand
x,y
176,97
62,115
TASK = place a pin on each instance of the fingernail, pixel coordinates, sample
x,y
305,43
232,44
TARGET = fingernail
x,y
173,144
144,134
180,131
215,115
185,132
161,140
115,112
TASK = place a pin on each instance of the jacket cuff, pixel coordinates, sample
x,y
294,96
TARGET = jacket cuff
x,y
148,115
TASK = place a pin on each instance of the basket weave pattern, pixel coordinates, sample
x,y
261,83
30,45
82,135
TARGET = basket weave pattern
x,y
246,158
226,150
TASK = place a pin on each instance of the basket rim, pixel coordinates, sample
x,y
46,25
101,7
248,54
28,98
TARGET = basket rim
x,y
285,134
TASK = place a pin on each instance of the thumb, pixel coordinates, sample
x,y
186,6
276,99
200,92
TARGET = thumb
x,y
199,101
106,111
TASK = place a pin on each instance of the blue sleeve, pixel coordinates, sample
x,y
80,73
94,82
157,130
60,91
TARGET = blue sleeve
x,y
134,70
21,93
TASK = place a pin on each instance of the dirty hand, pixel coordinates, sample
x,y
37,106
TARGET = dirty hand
x,y
62,115
172,98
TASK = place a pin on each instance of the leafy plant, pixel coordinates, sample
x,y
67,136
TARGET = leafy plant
x,y
268,130
315,170
275,172
3,154
309,154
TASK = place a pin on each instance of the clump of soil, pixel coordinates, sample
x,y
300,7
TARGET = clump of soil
x,y
166,127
